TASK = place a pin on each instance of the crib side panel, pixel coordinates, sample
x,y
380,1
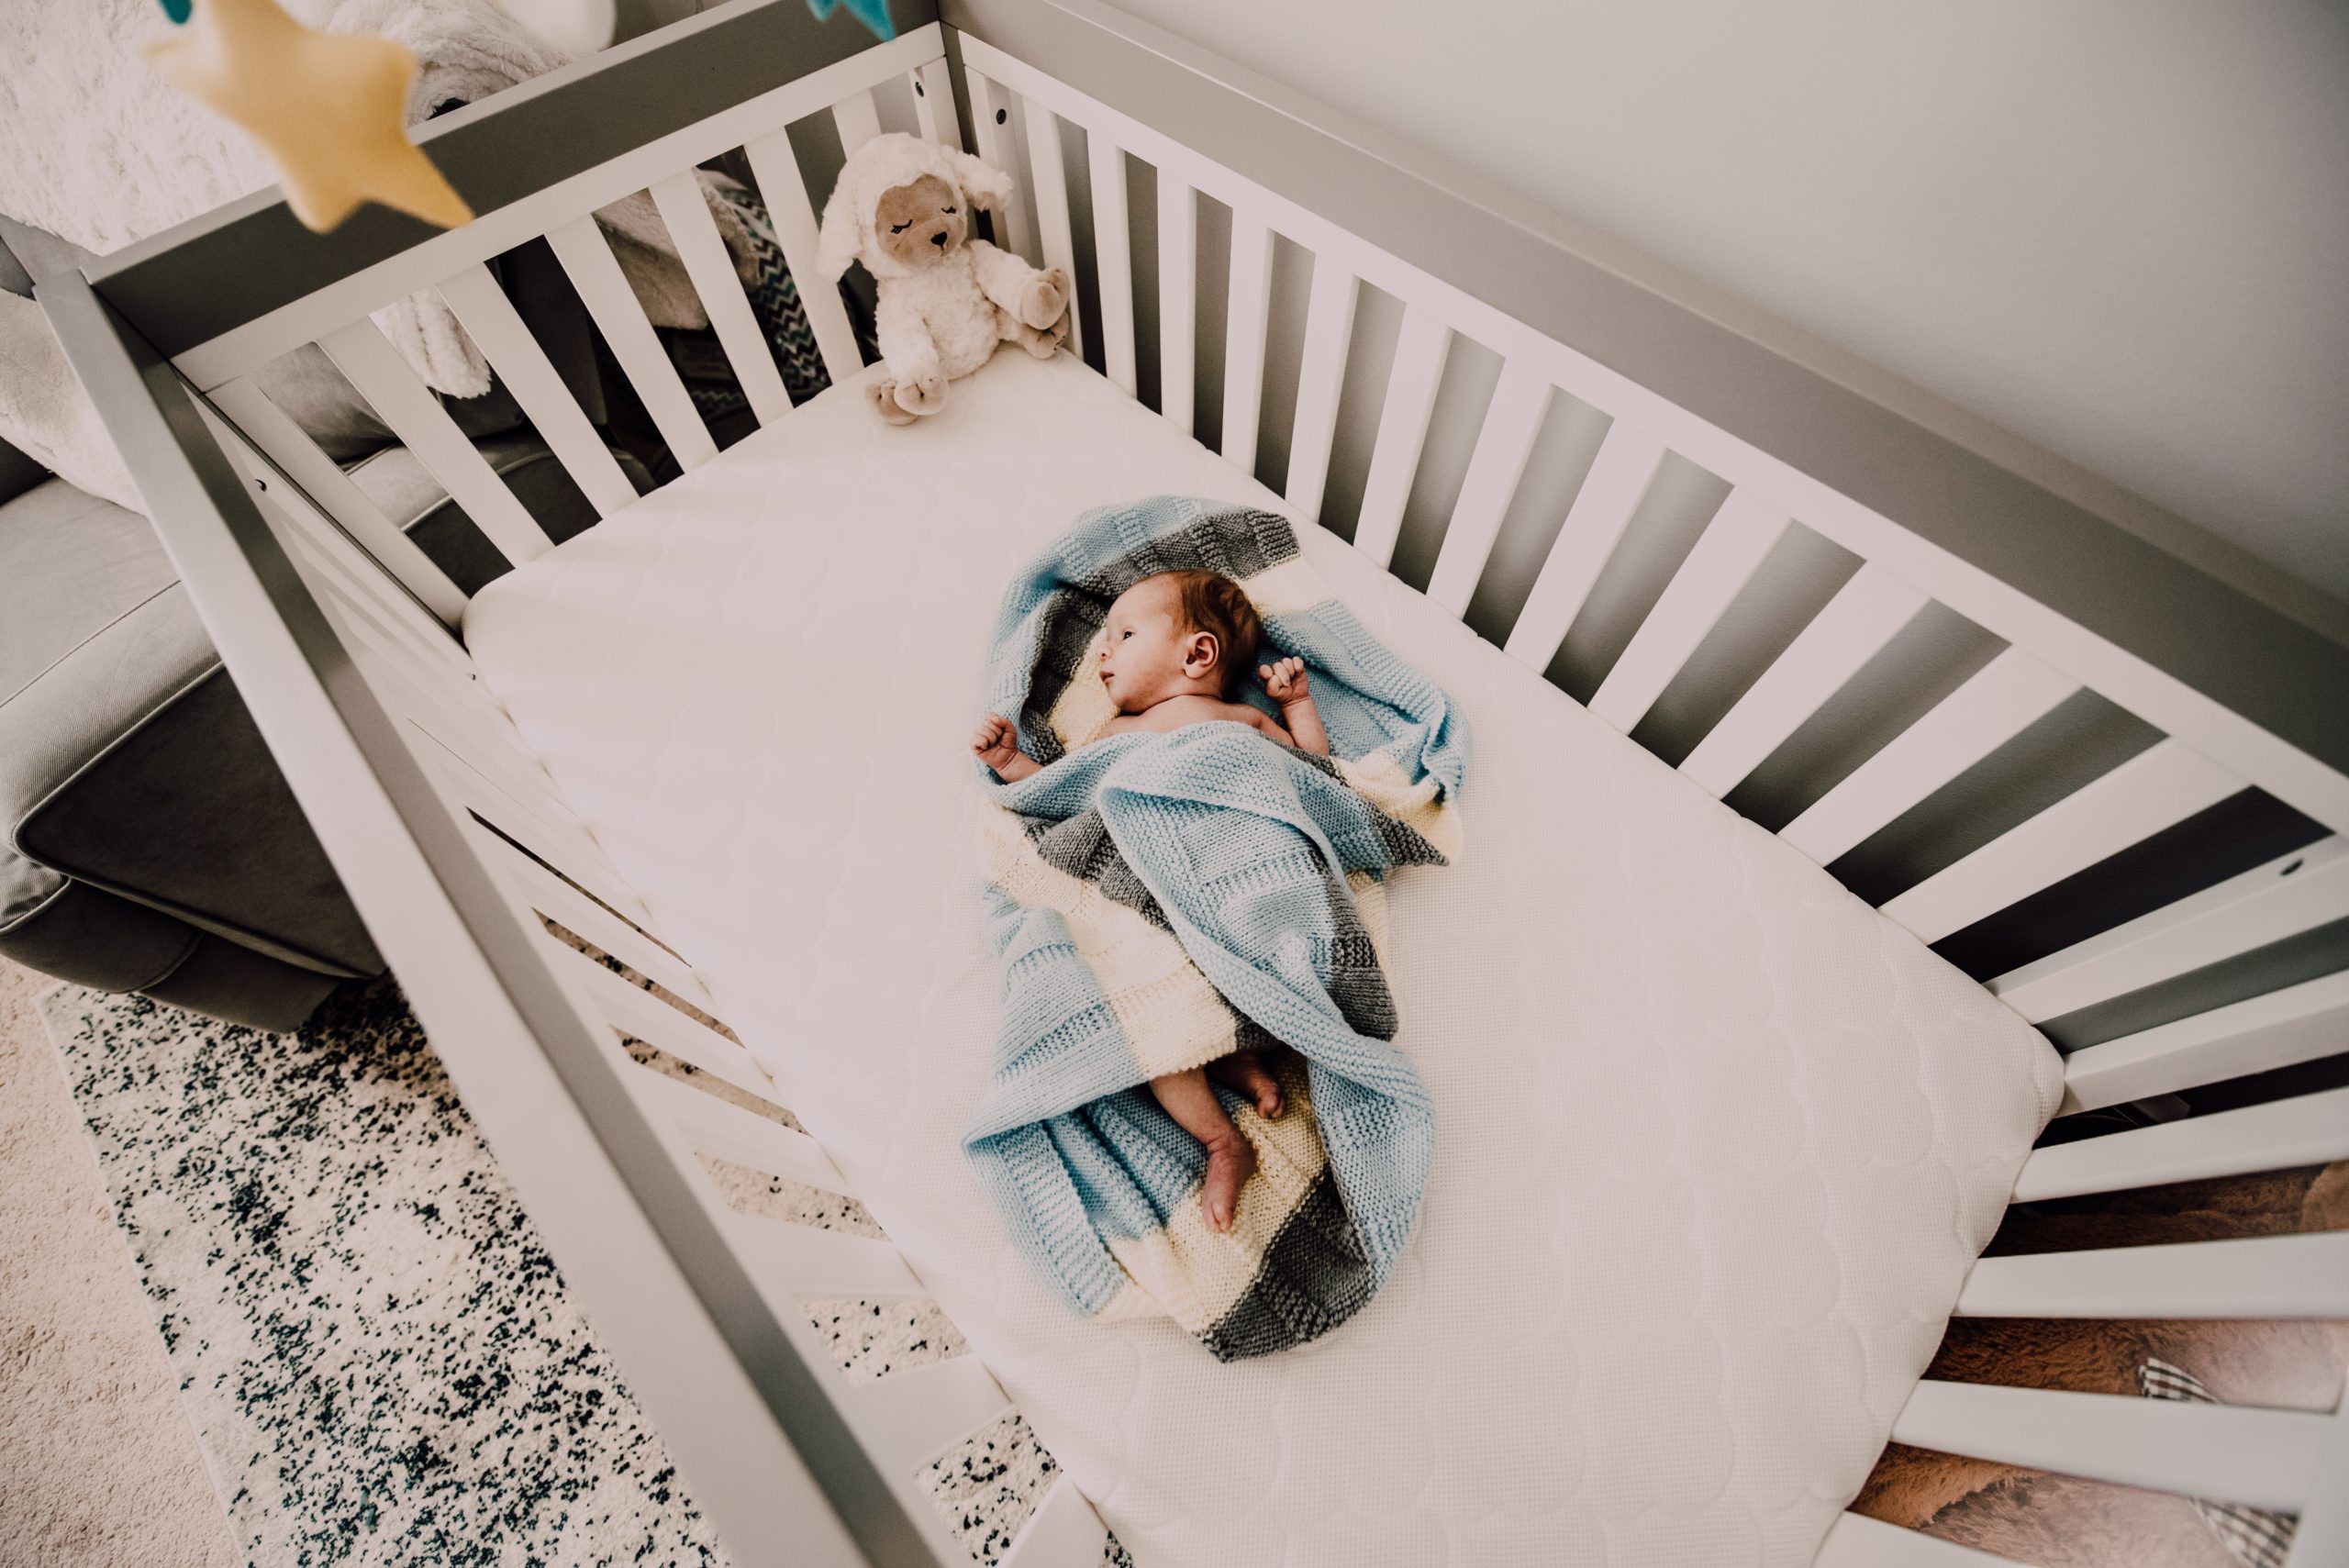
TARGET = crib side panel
x,y
582,1039
2178,774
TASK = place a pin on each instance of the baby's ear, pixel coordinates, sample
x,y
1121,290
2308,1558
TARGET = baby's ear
x,y
1204,651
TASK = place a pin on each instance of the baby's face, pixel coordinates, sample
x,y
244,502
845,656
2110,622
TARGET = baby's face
x,y
1142,655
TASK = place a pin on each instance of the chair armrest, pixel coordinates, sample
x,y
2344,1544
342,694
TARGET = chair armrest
x,y
128,762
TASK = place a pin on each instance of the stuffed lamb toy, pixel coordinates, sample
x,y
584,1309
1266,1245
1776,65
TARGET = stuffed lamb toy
x,y
903,207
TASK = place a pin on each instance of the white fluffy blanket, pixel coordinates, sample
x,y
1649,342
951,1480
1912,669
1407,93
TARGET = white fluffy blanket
x,y
102,152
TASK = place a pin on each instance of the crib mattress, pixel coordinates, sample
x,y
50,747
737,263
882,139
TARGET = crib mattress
x,y
1716,1143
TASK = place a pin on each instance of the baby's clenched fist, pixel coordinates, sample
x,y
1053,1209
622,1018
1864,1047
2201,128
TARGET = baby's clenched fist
x,y
1285,681
997,741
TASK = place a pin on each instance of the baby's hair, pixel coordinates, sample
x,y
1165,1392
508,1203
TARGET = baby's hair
x,y
1212,603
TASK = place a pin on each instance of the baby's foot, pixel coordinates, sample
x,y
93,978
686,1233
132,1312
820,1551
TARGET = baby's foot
x,y
1232,1160
1244,1071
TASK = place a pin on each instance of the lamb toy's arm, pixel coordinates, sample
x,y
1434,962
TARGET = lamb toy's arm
x,y
904,338
1017,287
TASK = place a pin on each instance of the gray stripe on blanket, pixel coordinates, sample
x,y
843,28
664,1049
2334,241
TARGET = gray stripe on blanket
x,y
1081,847
1314,1275
1239,543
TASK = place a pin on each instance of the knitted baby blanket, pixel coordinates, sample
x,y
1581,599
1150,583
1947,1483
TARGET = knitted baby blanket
x,y
1157,901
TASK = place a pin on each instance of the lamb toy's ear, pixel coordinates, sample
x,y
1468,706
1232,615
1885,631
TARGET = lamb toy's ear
x,y
983,185
838,242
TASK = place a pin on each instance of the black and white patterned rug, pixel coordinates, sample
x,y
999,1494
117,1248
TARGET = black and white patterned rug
x,y
378,1356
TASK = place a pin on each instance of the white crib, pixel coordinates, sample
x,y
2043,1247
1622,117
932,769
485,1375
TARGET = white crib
x,y
453,842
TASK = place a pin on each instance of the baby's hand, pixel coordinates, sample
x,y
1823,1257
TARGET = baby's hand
x,y
1285,683
996,742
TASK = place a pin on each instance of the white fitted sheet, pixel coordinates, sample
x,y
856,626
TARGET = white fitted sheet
x,y
1716,1143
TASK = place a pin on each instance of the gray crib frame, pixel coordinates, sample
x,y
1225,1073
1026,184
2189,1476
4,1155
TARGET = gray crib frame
x,y
2221,623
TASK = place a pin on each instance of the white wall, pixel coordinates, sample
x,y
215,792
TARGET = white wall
x,y
2117,227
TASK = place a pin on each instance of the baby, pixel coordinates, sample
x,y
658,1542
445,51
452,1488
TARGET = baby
x,y
1176,648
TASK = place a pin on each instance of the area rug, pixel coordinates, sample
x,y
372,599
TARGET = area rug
x,y
378,1356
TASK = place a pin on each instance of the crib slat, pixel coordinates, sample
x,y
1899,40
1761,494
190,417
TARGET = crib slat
x,y
559,901
1063,1531
1996,703
1865,615
776,168
2265,1458
2153,790
1178,283
1113,259
415,417
336,570
587,259
2308,1130
1726,556
345,582
1052,206
2291,894
687,215
1855,1541
645,1016
794,1261
521,810
446,691
727,1132
528,374
1602,509
991,122
933,89
1411,385
2260,1277
1246,310
2279,1028
1512,421
858,119
501,812
909,1418
272,432
1328,328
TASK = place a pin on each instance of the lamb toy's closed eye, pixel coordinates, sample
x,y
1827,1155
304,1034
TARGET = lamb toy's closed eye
x,y
902,206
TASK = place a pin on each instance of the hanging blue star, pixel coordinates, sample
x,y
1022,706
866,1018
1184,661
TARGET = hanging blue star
x,y
874,14
178,10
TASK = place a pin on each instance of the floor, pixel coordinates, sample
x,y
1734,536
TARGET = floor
x,y
98,1463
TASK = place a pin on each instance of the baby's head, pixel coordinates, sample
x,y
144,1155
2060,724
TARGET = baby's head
x,y
1178,634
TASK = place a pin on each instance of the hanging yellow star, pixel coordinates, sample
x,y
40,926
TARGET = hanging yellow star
x,y
328,108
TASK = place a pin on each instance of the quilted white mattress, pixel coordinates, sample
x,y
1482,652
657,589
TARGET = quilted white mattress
x,y
1717,1142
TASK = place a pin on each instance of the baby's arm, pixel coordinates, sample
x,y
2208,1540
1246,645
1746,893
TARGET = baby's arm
x,y
998,745
1285,683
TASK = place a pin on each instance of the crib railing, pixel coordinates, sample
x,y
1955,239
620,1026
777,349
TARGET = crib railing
x,y
460,850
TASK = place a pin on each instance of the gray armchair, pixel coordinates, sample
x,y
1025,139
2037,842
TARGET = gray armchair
x,y
147,839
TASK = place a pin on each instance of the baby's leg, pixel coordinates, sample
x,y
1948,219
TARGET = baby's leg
x,y
1244,1073
1232,1160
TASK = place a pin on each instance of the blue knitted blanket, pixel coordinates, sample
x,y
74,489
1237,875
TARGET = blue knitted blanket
x,y
1157,901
